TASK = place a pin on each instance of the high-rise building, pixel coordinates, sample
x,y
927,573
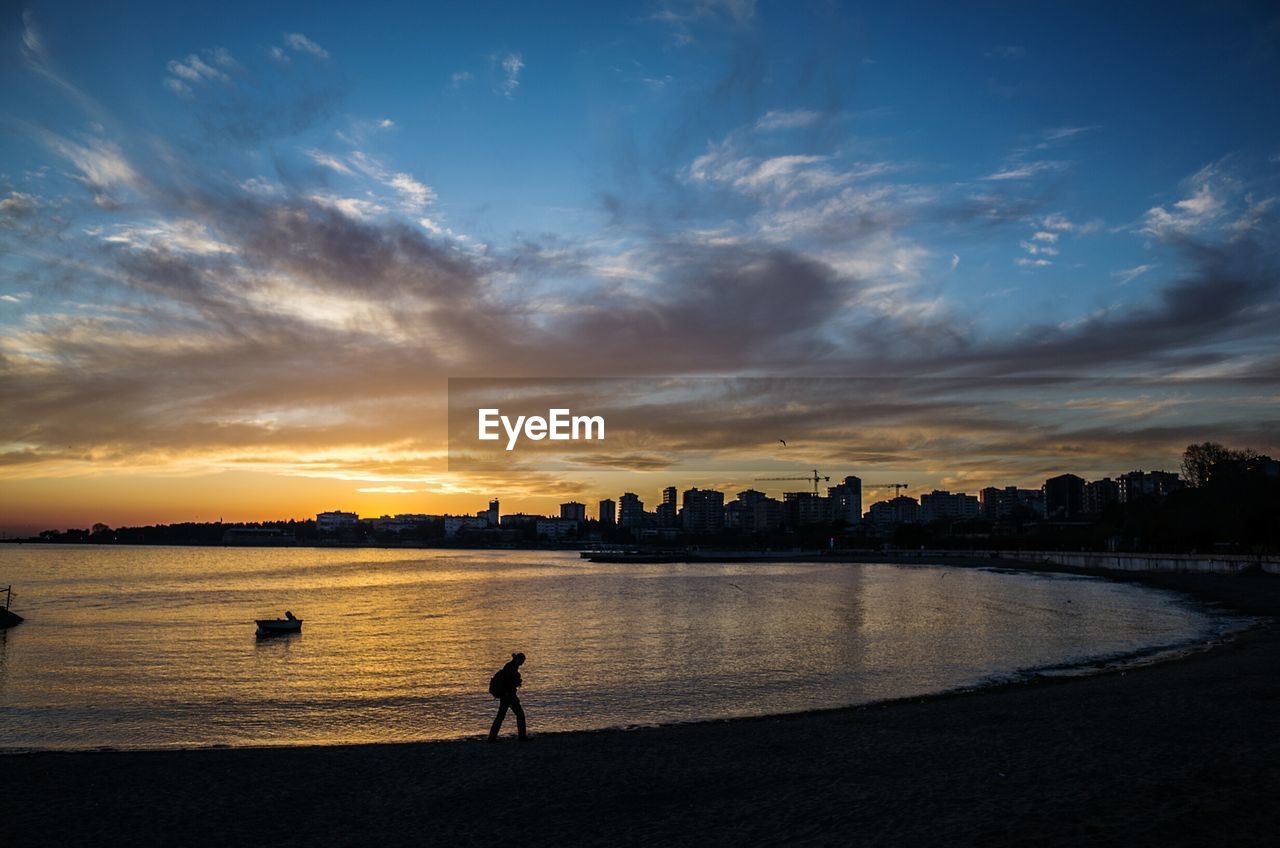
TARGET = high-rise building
x,y
805,508
668,511
945,506
753,511
703,510
1010,502
491,514
1100,494
846,500
1146,484
573,511
888,514
630,510
608,512
1063,496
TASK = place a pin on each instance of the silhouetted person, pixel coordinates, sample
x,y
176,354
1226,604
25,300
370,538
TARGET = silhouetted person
x,y
503,686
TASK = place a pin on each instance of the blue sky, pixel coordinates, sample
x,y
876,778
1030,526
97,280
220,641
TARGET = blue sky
x,y
403,192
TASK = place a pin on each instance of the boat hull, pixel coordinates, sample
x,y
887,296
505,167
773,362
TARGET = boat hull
x,y
276,626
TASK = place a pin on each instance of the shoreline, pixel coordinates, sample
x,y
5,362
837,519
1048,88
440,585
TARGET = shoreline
x,y
1084,667
1217,703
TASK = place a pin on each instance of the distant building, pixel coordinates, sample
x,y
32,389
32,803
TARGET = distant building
x,y
1100,494
753,511
886,515
667,514
608,512
401,524
455,524
945,506
491,514
846,500
703,510
1010,502
573,511
336,521
1147,484
801,509
1063,496
556,528
630,510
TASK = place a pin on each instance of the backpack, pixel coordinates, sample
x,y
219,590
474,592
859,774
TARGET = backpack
x,y
497,684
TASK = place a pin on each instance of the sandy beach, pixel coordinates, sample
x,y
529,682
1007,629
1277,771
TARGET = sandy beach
x,y
1184,752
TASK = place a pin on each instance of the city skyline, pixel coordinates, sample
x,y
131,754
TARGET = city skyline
x,y
242,251
865,498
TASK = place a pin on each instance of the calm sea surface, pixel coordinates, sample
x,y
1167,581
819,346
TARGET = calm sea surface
x,y
155,647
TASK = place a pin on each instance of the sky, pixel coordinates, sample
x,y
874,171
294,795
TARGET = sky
x,y
243,248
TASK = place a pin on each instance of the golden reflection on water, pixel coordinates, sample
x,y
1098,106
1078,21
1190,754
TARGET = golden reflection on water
x,y
140,647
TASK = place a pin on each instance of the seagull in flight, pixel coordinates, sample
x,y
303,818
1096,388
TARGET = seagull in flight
x,y
784,442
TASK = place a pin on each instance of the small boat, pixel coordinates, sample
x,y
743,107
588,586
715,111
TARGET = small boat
x,y
8,618
272,626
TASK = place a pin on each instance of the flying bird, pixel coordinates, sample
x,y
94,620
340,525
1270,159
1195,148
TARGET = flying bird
x,y
784,442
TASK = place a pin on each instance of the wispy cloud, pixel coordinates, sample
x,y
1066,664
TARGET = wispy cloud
x,y
1202,208
300,43
786,119
1026,171
1128,275
101,165
512,64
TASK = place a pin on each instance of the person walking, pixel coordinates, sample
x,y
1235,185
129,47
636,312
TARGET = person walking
x,y
503,686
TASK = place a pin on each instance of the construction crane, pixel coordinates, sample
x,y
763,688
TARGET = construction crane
x,y
815,478
897,487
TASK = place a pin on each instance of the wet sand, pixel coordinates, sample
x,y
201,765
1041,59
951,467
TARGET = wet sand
x,y
1185,752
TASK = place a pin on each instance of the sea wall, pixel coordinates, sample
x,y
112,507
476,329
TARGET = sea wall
x,y
1220,564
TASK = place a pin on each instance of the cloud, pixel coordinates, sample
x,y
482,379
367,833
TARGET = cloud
x,y
685,12
1057,222
784,119
1025,171
416,194
764,252
1189,215
193,69
1038,247
182,236
300,43
512,64
457,78
327,160
16,205
1128,275
101,165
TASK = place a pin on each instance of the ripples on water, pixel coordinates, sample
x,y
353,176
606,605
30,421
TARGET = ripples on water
x,y
155,647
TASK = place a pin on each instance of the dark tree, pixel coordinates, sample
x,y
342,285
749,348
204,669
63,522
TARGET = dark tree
x,y
1198,461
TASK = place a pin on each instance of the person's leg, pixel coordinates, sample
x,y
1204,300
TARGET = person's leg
x,y
519,711
497,722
